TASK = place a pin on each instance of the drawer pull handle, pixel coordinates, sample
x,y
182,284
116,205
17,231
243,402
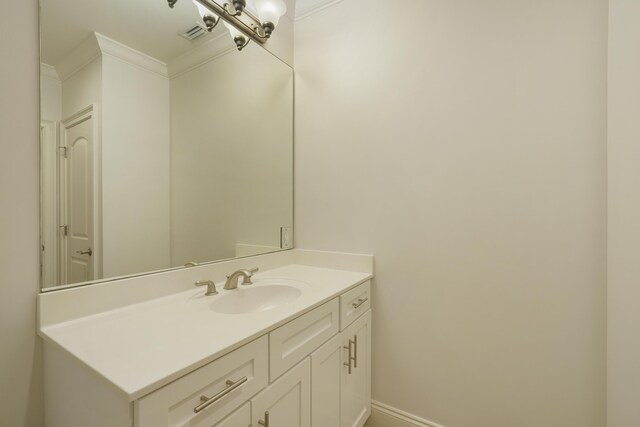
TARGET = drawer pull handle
x,y
264,423
351,358
359,302
208,401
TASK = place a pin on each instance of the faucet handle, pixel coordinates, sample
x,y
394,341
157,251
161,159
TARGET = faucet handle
x,y
246,279
211,287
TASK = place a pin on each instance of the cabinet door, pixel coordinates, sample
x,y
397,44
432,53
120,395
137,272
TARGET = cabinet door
x,y
326,367
287,401
356,379
240,418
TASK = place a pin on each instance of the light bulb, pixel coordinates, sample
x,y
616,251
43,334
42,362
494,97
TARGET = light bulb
x,y
210,19
270,11
238,37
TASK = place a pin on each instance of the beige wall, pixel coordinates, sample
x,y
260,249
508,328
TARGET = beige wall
x,y
624,215
464,144
20,361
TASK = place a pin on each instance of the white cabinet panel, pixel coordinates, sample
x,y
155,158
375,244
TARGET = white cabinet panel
x,y
326,366
294,341
174,405
287,401
356,380
354,303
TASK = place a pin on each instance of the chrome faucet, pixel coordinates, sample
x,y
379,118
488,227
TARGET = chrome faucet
x,y
232,280
211,287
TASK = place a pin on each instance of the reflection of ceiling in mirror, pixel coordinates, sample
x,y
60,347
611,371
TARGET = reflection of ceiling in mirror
x,y
148,26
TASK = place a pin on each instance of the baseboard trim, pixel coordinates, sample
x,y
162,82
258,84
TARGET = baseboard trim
x,y
381,411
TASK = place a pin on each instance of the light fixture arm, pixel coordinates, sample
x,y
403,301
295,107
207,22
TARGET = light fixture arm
x,y
235,8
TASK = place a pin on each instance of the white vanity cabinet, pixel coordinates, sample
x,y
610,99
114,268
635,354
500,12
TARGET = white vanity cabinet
x,y
341,377
312,371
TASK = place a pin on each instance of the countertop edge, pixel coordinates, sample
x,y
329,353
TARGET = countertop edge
x,y
132,395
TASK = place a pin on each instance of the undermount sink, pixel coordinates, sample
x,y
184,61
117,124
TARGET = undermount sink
x,y
255,299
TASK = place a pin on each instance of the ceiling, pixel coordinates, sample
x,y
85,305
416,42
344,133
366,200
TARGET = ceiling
x,y
148,26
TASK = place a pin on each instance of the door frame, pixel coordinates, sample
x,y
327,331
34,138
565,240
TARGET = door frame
x,y
49,231
89,112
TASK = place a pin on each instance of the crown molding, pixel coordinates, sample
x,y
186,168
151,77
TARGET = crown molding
x,y
78,58
302,12
48,71
134,57
208,51
97,45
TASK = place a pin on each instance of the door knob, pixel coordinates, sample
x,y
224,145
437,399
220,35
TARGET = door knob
x,y
87,252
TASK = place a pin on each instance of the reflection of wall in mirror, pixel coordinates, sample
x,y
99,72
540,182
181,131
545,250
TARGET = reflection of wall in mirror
x,y
232,156
135,169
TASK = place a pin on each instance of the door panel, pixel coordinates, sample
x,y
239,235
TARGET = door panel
x,y
79,201
326,367
48,202
356,385
288,400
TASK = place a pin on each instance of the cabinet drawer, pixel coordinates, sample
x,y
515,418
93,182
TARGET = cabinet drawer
x,y
294,341
354,303
223,379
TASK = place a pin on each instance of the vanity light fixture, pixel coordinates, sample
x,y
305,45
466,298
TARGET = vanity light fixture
x,y
238,38
242,24
269,12
209,18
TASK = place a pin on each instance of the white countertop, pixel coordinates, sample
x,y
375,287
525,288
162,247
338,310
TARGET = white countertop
x,y
141,347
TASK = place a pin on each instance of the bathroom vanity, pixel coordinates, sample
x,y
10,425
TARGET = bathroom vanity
x,y
167,144
291,350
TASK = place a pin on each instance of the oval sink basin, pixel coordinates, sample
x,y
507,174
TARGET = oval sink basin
x,y
253,300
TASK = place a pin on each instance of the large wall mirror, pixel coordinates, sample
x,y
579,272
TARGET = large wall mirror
x,y
162,145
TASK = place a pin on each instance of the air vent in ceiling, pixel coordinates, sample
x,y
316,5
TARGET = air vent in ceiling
x,y
193,32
